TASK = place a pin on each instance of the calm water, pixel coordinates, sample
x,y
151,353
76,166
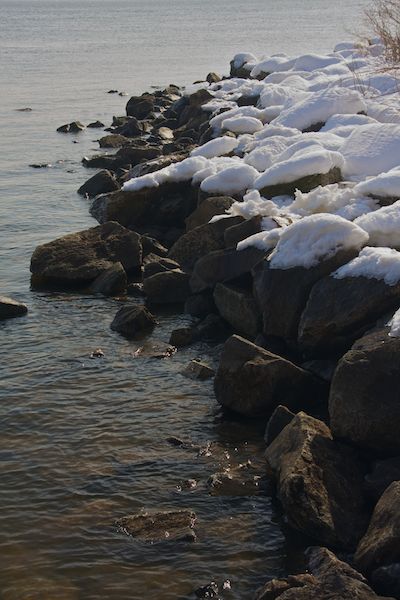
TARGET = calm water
x,y
83,441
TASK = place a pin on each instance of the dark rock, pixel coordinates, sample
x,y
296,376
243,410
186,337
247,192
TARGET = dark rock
x,y
281,417
199,305
238,308
129,127
208,591
96,125
211,206
277,588
198,370
282,294
132,319
27,109
253,381
248,100
341,310
383,473
101,161
101,183
223,265
386,580
364,402
156,264
112,92
98,353
167,287
305,184
183,336
10,308
135,290
73,127
79,258
319,483
210,329
324,368
213,78
135,154
114,140
380,546
240,72
40,165
140,106
172,526
236,233
152,246
111,282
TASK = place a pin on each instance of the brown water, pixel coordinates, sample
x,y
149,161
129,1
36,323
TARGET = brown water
x,y
83,441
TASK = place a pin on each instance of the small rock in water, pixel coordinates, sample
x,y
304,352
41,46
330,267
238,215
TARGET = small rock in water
x,y
73,127
112,92
10,308
176,525
98,353
135,290
27,109
40,165
208,591
198,370
96,124
123,94
131,320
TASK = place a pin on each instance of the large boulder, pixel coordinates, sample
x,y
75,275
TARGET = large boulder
x,y
10,308
320,483
282,294
304,184
200,241
340,310
253,381
79,258
236,233
209,208
101,183
383,472
364,403
140,106
380,546
167,287
223,265
328,579
132,319
111,282
238,308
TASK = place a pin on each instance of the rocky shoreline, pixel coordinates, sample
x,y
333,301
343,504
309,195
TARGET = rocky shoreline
x,y
252,224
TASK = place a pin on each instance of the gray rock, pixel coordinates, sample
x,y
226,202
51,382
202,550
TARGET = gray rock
x,y
209,208
153,264
10,308
152,246
171,526
198,370
239,309
114,140
101,183
111,282
96,125
236,233
199,305
132,319
167,287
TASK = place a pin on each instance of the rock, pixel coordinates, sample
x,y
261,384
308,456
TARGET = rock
x,y
74,127
281,417
236,233
114,140
96,125
243,480
78,258
223,265
199,305
248,100
98,353
166,133
211,206
198,370
101,183
156,264
112,92
128,127
210,329
172,526
132,319
329,579
364,405
282,294
253,381
213,78
167,287
340,310
135,154
135,290
200,241
40,165
319,483
101,161
183,336
111,282
210,590
152,246
383,473
240,72
386,580
238,308
304,184
140,106
324,368
10,308
380,546
157,350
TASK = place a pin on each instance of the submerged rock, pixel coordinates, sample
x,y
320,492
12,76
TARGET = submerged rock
x,y
172,526
10,308
243,480
131,320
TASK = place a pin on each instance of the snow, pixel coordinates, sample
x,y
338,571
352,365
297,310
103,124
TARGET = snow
x,y
371,149
217,147
233,180
242,124
264,240
373,263
335,199
315,238
242,58
384,185
181,171
394,325
383,226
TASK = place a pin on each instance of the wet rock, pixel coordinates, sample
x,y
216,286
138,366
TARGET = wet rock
x,y
172,526
223,265
281,417
329,579
382,474
364,404
210,590
101,183
282,294
10,308
140,106
238,308
198,370
157,350
341,310
253,381
200,241
131,320
96,125
135,154
320,483
199,305
214,205
157,264
111,282
40,165
101,161
26,109
243,480
98,353
112,92
74,127
167,287
114,140
79,258
380,546
152,246
304,184
183,336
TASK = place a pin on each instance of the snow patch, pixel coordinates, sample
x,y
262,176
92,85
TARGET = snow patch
x,y
373,263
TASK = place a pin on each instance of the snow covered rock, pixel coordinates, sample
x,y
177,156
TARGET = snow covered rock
x,y
242,125
218,147
385,186
363,404
253,382
382,226
371,149
230,181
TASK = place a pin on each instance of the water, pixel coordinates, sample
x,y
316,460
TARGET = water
x,y
84,441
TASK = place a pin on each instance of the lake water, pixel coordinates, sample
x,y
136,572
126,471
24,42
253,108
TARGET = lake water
x,y
83,441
